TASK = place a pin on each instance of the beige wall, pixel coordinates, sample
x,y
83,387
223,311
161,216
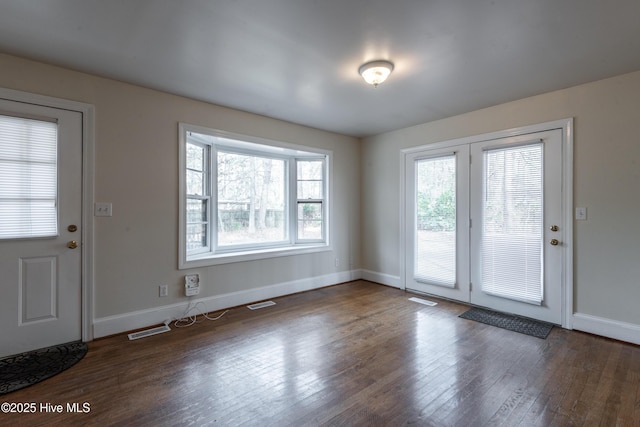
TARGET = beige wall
x,y
136,168
606,181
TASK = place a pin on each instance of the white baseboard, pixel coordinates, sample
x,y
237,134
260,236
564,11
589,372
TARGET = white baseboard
x,y
111,325
622,331
385,279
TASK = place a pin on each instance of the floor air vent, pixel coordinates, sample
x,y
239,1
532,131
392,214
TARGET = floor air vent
x,y
260,305
423,301
149,332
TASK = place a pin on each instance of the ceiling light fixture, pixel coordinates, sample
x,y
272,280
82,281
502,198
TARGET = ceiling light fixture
x,y
375,72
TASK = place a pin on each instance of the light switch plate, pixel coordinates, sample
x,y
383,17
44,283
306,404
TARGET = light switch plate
x,y
103,209
581,214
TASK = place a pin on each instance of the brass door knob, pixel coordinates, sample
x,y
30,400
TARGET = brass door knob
x,y
554,242
72,244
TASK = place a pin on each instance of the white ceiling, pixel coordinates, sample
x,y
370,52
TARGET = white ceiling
x,y
297,60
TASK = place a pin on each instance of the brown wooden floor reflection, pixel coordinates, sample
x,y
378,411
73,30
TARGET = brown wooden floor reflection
x,y
348,355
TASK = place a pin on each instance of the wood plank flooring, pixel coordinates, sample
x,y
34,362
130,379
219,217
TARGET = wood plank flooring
x,y
357,354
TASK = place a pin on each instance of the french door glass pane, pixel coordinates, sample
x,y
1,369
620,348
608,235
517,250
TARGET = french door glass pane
x,y
512,223
28,178
435,233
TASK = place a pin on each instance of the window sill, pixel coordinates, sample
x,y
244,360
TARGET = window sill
x,y
208,259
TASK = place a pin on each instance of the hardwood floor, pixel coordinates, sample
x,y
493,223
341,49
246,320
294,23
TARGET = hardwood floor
x,y
348,355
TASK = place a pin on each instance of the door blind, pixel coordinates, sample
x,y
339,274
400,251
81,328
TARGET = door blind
x,y
512,228
28,178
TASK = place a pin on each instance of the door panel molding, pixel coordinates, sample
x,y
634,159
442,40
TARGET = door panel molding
x,y
37,304
566,127
88,166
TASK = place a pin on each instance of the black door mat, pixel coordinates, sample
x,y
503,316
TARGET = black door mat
x,y
510,322
25,369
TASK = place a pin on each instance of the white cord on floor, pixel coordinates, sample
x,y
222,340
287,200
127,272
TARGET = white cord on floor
x,y
190,316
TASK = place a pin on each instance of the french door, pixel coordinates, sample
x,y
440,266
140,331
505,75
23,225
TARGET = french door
x,y
437,222
485,224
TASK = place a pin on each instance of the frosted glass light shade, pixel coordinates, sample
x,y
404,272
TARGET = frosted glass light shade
x,y
376,72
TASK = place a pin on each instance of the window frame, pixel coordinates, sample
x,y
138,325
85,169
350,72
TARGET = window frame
x,y
217,148
322,201
229,142
206,172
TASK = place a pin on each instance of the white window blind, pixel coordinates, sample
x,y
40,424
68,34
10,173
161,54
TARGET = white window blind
x,y
512,223
28,178
435,233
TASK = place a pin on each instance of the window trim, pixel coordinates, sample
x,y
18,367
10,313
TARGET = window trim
x,y
248,145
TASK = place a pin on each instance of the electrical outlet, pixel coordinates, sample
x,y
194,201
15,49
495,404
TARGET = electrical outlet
x,y
163,290
191,284
337,262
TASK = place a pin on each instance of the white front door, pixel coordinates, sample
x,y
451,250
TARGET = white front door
x,y
40,226
484,223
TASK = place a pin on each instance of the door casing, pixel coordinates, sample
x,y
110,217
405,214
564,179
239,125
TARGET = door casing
x,y
566,126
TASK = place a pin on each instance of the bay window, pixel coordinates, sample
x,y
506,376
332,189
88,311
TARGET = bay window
x,y
248,198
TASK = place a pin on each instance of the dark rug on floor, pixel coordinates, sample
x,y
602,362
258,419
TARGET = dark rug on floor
x,y
509,321
25,369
